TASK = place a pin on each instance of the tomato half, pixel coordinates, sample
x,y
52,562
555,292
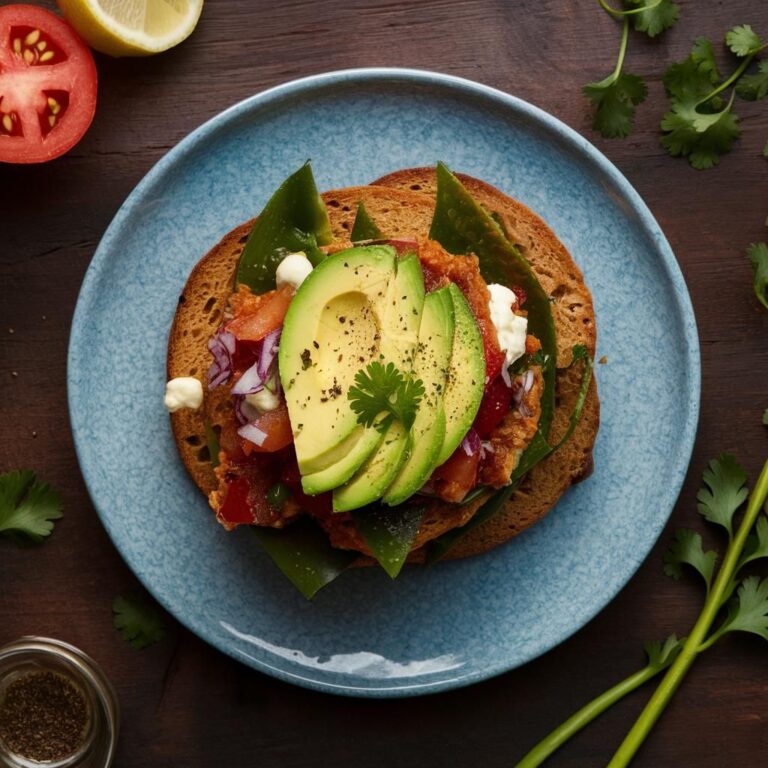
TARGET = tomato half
x,y
47,85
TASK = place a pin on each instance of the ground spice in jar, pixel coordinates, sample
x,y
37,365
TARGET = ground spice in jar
x,y
43,717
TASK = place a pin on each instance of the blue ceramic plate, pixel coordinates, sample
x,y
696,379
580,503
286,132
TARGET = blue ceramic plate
x,y
437,628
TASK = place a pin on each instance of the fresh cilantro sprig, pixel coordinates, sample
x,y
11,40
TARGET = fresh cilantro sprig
x,y
699,124
383,389
617,95
139,623
742,602
27,507
758,255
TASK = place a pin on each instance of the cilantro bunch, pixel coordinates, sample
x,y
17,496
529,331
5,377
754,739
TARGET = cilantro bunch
x,y
383,389
700,124
734,602
617,95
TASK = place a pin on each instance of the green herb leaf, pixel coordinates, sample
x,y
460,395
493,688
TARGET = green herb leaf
x,y
139,623
748,611
653,19
758,255
697,125
293,220
687,549
754,87
364,227
661,655
765,418
726,491
27,507
384,389
212,441
616,98
389,532
756,546
304,554
743,40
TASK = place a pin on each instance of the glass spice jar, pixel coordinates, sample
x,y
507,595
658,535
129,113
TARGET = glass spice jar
x,y
57,708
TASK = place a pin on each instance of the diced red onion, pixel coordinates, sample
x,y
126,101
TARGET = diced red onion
x,y
250,382
471,443
269,349
527,381
524,410
505,374
222,347
253,433
486,446
242,410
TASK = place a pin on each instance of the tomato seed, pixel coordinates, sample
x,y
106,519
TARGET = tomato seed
x,y
51,120
47,56
54,105
7,123
42,45
29,57
17,45
32,37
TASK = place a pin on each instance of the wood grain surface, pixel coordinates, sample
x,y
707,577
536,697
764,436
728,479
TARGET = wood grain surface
x,y
183,703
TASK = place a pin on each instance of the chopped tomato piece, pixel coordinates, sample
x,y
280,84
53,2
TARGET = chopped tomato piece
x,y
454,479
236,509
493,407
256,316
47,85
277,427
316,505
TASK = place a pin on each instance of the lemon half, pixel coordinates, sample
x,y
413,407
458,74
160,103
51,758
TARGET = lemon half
x,y
132,27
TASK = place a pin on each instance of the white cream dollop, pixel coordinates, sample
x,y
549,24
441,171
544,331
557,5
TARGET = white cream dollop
x,y
511,329
183,392
293,270
264,400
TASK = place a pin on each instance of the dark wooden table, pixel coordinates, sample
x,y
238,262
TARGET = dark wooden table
x,y
185,704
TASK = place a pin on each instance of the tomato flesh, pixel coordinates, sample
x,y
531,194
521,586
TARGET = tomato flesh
x,y
493,407
453,480
277,427
260,315
47,85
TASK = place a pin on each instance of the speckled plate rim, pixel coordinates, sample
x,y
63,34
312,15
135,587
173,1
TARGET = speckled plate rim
x,y
461,87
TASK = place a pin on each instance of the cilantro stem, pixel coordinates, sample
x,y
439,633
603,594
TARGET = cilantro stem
x,y
631,12
737,73
555,739
622,50
696,640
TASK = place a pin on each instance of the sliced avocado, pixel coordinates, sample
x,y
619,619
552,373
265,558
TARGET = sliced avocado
x,y
333,328
466,376
402,314
373,478
431,365
366,442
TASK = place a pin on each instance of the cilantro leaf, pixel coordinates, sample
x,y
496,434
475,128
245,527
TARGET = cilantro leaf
x,y
758,255
384,389
748,611
661,655
139,623
743,40
757,542
693,77
755,86
697,125
686,549
653,19
726,491
765,418
27,506
616,98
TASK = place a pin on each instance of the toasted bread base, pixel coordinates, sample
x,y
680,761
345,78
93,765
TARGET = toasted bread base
x,y
402,205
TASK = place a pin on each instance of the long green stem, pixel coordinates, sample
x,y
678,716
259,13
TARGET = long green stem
x,y
628,12
737,73
622,49
696,639
554,740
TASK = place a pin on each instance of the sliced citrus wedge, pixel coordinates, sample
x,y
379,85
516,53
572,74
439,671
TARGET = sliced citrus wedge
x,y
132,27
